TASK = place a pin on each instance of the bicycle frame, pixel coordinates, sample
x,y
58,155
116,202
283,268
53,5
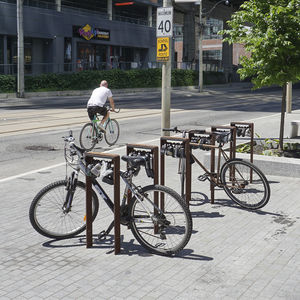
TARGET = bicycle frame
x,y
95,127
126,177
214,177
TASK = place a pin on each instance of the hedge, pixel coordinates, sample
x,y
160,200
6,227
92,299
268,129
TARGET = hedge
x,y
117,79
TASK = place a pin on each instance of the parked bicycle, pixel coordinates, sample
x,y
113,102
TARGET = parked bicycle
x,y
58,210
91,134
242,181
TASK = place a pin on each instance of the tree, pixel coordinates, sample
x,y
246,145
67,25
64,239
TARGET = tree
x,y
270,32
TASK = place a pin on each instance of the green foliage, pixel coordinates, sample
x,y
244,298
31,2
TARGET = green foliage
x,y
244,148
118,79
273,40
7,83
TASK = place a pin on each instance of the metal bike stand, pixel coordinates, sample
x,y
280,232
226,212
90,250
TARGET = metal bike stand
x,y
232,142
192,134
188,178
116,179
251,127
154,152
213,153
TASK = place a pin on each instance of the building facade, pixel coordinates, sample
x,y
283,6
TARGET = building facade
x,y
61,36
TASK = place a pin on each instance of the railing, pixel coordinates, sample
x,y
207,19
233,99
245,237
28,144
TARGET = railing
x,y
40,68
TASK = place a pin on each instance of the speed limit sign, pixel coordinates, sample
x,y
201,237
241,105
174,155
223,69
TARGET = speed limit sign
x,y
164,22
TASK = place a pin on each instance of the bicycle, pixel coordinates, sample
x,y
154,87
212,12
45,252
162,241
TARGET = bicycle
x,y
90,134
242,181
58,210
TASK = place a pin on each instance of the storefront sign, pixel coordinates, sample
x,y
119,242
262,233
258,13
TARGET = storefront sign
x,y
88,32
163,49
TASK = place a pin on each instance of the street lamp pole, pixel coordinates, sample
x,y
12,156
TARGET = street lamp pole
x,y
200,85
20,75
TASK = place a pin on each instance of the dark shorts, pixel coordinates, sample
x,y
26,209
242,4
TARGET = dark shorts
x,y
93,110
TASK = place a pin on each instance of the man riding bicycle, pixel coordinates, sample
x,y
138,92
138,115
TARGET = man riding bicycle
x,y
97,101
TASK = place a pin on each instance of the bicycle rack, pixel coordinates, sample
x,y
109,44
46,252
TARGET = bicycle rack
x,y
153,150
115,159
232,149
184,142
245,125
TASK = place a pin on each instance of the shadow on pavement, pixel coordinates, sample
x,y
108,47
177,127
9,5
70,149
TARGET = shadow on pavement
x,y
127,248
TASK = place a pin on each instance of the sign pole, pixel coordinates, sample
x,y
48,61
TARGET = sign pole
x,y
165,28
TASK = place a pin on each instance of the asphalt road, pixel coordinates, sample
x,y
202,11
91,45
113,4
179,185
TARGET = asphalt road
x,y
25,150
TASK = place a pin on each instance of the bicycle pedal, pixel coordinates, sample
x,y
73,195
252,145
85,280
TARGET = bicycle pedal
x,y
102,235
203,177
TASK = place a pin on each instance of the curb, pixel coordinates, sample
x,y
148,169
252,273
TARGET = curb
x,y
12,96
269,165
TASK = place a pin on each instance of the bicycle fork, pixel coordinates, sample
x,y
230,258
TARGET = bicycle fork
x,y
70,187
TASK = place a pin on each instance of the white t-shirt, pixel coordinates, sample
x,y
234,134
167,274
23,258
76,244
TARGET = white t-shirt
x,y
99,96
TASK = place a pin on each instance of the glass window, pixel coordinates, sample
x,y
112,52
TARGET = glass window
x,y
1,49
213,26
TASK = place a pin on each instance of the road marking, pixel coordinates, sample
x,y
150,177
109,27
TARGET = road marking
x,y
112,150
63,163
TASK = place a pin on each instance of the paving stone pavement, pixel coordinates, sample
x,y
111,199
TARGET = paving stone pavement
x,y
233,253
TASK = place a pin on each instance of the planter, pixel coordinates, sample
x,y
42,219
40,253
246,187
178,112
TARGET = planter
x,y
269,165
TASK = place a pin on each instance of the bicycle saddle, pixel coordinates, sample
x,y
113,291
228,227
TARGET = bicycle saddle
x,y
134,161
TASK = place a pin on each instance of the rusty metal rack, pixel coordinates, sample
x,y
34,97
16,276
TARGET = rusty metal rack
x,y
241,128
141,149
184,144
232,149
115,207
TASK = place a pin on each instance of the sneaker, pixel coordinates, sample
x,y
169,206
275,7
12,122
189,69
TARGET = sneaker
x,y
102,128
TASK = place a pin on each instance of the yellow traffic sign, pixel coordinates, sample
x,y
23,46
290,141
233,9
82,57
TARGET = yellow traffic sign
x,y
163,49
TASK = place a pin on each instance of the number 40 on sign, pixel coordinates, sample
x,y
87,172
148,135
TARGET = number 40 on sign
x,y
164,27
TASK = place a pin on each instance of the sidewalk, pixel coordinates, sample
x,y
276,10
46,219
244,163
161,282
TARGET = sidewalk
x,y
233,253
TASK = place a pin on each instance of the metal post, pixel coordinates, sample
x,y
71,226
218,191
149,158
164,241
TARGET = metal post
x,y
200,86
289,97
109,9
58,5
166,88
20,80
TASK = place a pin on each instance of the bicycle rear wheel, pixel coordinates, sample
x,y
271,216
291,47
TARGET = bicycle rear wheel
x,y
47,215
112,133
249,193
88,137
169,230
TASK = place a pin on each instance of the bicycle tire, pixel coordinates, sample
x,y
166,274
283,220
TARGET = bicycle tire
x,y
182,173
47,216
170,239
250,195
87,137
112,133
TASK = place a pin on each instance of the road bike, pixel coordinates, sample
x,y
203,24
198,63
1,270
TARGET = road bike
x,y
58,210
243,182
90,134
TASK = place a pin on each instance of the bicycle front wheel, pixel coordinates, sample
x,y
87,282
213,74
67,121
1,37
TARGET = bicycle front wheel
x,y
245,184
168,230
48,216
88,137
112,133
